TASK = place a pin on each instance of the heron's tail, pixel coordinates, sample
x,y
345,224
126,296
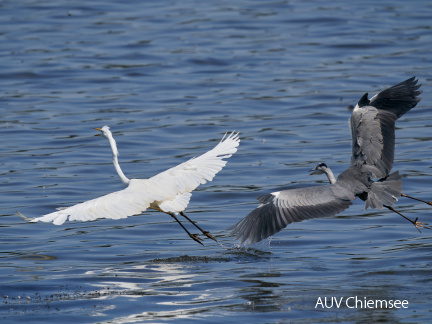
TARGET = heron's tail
x,y
384,191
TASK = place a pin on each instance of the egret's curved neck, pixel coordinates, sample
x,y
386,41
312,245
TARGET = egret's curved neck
x,y
330,175
115,154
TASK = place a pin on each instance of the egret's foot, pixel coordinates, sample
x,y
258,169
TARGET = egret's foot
x,y
207,233
196,238
192,236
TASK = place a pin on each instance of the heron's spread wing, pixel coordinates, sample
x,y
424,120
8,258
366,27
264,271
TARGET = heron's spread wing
x,y
279,209
373,126
168,191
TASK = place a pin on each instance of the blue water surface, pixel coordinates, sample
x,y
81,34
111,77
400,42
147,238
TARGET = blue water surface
x,y
171,78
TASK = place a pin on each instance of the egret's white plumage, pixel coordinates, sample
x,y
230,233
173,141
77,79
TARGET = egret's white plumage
x,y
168,191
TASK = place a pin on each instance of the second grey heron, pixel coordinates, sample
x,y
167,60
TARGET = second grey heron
x,y
372,126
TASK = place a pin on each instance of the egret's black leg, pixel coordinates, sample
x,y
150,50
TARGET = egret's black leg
x,y
192,236
414,222
206,233
426,202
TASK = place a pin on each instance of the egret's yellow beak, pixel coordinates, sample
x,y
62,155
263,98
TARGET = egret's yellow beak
x,y
100,130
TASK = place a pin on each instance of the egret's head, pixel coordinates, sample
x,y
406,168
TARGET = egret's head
x,y
319,169
105,132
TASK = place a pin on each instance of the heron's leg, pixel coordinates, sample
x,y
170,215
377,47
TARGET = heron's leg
x,y
426,202
414,222
206,233
192,236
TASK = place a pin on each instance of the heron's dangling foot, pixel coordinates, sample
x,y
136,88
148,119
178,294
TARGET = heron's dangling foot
x,y
206,233
192,236
414,222
426,202
420,224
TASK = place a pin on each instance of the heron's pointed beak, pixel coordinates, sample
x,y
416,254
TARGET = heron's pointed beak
x,y
313,172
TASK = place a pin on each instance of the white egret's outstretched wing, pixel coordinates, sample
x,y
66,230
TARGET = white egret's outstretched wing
x,y
168,191
373,126
279,209
132,200
186,176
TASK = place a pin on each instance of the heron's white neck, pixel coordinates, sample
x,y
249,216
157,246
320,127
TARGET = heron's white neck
x,y
115,154
330,175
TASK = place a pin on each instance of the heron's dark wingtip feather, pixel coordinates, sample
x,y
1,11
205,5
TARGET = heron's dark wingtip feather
x,y
400,98
364,101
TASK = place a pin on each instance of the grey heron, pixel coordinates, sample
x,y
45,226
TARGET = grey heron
x,y
368,177
168,191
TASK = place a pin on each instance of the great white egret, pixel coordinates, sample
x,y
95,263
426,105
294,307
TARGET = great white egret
x,y
369,178
168,191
